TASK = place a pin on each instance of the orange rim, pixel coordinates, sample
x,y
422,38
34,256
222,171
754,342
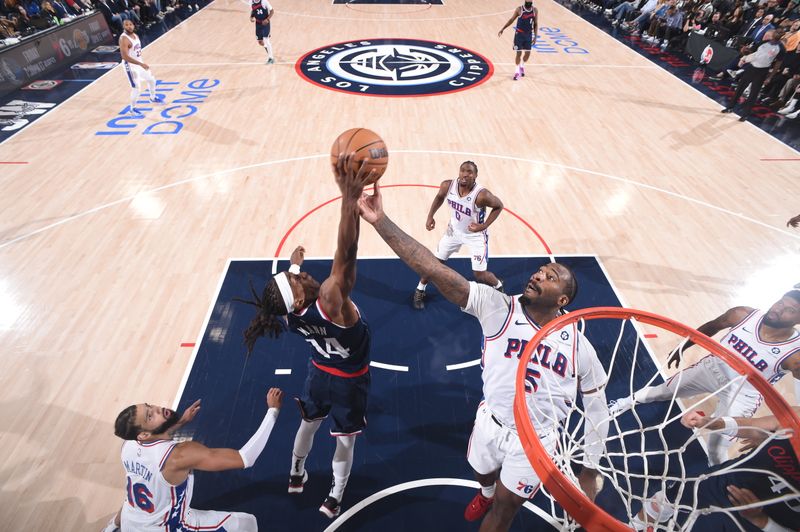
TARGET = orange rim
x,y
571,498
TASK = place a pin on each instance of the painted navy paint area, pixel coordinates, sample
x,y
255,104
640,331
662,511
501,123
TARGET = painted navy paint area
x,y
418,422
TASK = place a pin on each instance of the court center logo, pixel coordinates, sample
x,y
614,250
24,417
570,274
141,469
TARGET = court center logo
x,y
394,67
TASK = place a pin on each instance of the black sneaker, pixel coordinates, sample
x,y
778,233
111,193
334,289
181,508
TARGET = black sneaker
x,y
331,507
297,482
419,299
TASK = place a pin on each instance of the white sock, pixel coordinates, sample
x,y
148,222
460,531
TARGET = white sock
x,y
488,491
134,96
303,441
421,286
268,46
519,69
342,463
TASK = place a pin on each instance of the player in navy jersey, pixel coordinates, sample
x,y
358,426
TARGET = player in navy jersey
x,y
769,472
261,13
339,339
526,31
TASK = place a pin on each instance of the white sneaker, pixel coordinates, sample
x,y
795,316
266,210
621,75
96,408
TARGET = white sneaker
x,y
794,115
789,107
607,12
623,404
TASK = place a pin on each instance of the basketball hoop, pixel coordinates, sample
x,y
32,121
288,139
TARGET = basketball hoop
x,y
555,471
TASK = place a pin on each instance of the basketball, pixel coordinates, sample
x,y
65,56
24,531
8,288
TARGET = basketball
x,y
368,147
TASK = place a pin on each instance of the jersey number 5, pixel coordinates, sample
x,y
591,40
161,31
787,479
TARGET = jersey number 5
x,y
139,495
332,347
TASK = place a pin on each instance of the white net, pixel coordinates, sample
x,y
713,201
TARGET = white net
x,y
655,472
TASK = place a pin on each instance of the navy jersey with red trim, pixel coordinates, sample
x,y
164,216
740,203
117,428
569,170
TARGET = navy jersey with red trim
x,y
258,11
342,349
525,20
776,457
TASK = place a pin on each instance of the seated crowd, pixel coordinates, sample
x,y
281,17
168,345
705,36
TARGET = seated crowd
x,y
738,24
20,18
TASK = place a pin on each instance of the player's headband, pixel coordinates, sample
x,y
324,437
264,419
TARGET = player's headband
x,y
282,280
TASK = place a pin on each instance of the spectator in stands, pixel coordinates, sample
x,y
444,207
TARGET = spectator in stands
x,y
643,20
716,29
734,20
665,27
791,38
109,12
781,85
758,28
129,8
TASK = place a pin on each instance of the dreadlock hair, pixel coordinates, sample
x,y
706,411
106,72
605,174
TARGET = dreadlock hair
x,y
266,322
474,166
125,426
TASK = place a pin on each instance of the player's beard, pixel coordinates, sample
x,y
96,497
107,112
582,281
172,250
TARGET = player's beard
x,y
168,424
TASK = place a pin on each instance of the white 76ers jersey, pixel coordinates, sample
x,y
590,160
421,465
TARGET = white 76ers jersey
x,y
136,46
463,210
552,375
743,339
151,503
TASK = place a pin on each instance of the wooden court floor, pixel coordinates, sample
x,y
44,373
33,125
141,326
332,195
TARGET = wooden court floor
x,y
111,247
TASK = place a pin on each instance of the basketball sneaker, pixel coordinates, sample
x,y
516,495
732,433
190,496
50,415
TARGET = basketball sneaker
x,y
330,507
159,98
516,76
623,404
478,507
297,482
135,113
270,61
522,71
419,299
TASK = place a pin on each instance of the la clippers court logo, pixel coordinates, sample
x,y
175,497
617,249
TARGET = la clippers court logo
x,y
394,67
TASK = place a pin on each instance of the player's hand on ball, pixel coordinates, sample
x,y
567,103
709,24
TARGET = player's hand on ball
x,y
430,224
274,398
371,206
298,255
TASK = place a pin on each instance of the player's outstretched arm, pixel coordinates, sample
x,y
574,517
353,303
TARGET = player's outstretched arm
x,y
724,321
336,289
194,455
452,285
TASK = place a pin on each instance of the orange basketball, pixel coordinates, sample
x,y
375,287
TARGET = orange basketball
x,y
368,146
